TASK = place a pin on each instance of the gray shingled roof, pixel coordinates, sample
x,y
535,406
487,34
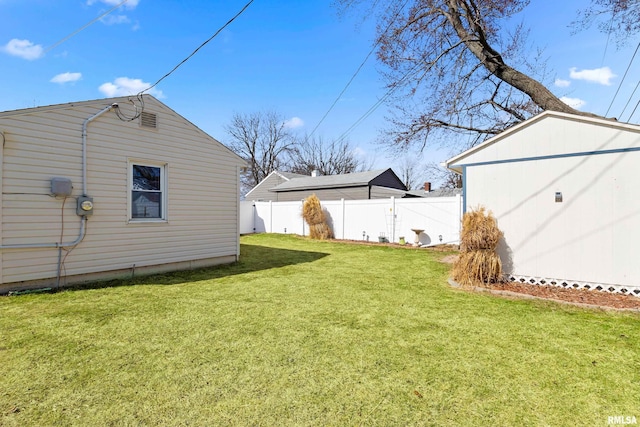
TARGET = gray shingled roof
x,y
330,181
291,175
440,192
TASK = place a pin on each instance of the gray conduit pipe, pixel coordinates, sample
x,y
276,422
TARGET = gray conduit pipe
x,y
83,220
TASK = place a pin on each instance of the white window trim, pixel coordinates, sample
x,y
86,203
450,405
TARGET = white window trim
x,y
164,171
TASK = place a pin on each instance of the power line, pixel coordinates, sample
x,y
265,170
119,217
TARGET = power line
x,y
622,81
343,90
198,48
629,100
613,14
634,110
391,21
378,103
56,44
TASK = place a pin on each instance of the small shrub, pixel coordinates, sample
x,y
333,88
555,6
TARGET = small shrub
x,y
316,218
479,262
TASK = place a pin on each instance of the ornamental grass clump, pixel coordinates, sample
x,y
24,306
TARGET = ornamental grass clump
x,y
478,262
316,218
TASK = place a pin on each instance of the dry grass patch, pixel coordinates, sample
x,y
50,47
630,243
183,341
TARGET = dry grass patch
x,y
316,218
478,262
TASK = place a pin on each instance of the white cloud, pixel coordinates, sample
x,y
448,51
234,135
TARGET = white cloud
x,y
602,75
359,152
573,102
23,49
115,19
130,4
562,83
123,86
293,123
66,78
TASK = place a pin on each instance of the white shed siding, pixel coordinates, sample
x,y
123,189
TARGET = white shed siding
x,y
46,142
553,135
592,234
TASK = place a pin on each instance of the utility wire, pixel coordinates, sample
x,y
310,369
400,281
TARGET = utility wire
x,y
58,43
198,48
622,81
391,21
634,110
344,90
378,103
629,100
606,46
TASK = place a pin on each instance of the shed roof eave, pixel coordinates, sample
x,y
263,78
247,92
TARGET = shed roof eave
x,y
455,162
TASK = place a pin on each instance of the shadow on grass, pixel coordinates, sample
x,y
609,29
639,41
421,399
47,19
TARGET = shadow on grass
x,y
252,258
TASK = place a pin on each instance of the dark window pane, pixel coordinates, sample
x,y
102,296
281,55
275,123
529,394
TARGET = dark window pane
x,y
146,178
146,205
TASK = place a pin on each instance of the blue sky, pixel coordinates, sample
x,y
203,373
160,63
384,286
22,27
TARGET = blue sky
x,y
294,57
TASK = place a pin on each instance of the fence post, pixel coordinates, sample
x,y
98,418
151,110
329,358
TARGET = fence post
x,y
393,219
270,216
342,205
302,216
253,221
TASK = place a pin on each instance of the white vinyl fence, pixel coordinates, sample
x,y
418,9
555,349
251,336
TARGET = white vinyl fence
x,y
391,219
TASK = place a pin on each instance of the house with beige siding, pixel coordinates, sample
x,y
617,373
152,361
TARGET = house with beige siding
x,y
112,188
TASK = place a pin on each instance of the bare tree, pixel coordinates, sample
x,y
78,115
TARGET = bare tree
x,y
263,140
449,64
445,177
618,17
327,157
411,172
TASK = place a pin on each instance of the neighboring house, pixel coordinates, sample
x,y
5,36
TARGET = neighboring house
x,y
426,191
375,184
565,192
90,191
261,191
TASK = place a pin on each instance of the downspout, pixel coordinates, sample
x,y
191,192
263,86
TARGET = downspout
x,y
83,220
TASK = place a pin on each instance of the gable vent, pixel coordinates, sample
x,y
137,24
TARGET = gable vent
x,y
148,120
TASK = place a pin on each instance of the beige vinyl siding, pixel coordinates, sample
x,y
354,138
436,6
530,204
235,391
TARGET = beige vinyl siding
x,y
202,191
261,191
378,192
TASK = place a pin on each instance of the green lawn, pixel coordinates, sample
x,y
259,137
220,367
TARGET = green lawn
x,y
311,333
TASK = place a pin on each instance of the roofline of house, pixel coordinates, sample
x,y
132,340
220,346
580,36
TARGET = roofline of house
x,y
319,185
107,102
450,164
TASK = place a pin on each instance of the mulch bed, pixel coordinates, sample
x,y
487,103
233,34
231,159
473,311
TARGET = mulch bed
x,y
579,296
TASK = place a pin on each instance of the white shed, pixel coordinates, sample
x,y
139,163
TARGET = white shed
x,y
566,194
110,188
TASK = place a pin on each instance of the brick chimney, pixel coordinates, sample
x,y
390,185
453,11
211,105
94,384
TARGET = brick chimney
x,y
427,187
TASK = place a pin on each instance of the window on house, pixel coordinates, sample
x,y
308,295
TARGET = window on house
x,y
148,191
